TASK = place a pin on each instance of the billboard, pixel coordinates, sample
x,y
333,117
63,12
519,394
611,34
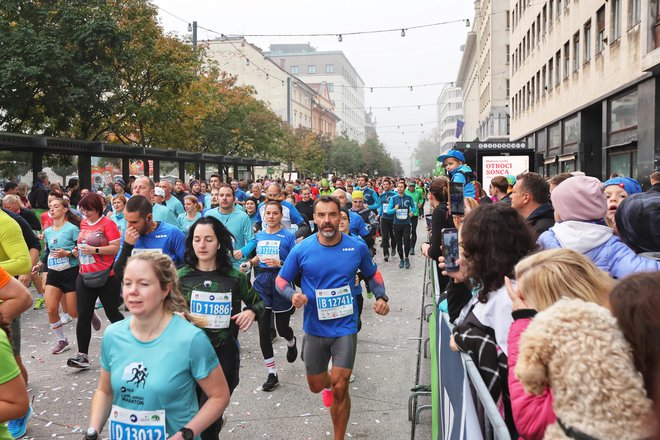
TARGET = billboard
x,y
502,165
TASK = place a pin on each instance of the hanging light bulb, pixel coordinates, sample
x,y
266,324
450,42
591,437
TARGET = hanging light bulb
x,y
247,62
372,89
388,109
467,22
339,38
419,107
403,32
411,88
189,27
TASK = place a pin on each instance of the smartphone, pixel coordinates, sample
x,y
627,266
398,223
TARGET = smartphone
x,y
456,198
450,249
428,219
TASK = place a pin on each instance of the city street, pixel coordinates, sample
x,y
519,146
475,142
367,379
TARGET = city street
x,y
384,373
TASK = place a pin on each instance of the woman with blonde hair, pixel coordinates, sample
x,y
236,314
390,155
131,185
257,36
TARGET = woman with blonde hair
x,y
193,211
542,279
152,361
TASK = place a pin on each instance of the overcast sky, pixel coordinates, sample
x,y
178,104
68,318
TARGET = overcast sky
x,y
428,55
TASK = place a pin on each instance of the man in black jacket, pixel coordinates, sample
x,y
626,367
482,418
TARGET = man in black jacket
x,y
38,197
531,198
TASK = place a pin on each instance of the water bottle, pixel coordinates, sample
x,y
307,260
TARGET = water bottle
x,y
91,434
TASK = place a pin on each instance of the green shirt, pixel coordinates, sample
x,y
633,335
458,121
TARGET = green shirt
x,y
8,371
221,282
417,197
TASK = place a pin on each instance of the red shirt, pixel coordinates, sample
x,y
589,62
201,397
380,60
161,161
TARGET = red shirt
x,y
101,233
46,220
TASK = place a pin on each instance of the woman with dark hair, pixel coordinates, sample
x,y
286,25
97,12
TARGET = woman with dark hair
x,y
440,218
635,303
98,243
214,290
273,246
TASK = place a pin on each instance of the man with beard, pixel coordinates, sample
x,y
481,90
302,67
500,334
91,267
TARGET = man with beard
x,y
144,234
328,263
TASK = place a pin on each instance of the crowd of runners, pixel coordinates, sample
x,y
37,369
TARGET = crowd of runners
x,y
184,267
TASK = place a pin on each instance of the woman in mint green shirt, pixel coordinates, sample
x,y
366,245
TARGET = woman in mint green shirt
x,y
152,361
193,211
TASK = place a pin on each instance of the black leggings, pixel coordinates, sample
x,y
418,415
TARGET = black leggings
x,y
283,328
413,231
402,237
386,234
86,297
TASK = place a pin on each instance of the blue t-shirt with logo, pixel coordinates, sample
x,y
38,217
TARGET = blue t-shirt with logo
x,y
165,239
384,202
290,214
327,271
402,213
64,238
159,374
278,245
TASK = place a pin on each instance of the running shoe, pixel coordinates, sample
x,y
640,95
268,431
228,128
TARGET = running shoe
x,y
386,258
271,382
96,322
79,361
407,263
39,303
401,263
292,352
326,395
61,346
65,318
18,427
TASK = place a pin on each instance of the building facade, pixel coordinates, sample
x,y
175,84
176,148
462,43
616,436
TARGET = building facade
x,y
287,96
450,111
345,86
584,83
324,120
484,73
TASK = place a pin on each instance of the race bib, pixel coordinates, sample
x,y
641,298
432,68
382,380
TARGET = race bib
x,y
334,303
59,264
128,424
385,207
401,214
268,249
294,228
212,306
139,251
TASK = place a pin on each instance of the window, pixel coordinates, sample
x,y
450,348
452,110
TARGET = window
x,y
587,41
571,132
545,17
558,9
558,67
623,112
533,42
295,70
635,12
329,68
544,82
331,87
600,18
538,85
550,9
616,19
538,28
508,19
508,88
311,69
567,59
508,50
551,71
576,51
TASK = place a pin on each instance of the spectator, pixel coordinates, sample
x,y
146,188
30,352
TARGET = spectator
x,y
13,204
531,198
11,188
655,181
440,219
559,178
38,197
22,192
580,206
120,188
145,187
542,279
459,171
73,192
499,190
179,190
638,222
616,190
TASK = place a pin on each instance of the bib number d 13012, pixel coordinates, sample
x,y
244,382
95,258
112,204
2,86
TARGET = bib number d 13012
x,y
126,424
334,303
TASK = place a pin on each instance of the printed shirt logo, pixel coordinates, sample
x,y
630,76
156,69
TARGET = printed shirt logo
x,y
135,373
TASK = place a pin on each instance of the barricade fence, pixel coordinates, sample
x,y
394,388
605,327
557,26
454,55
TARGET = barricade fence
x,y
462,407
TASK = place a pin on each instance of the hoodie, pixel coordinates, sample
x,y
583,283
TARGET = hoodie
x,y
460,175
599,243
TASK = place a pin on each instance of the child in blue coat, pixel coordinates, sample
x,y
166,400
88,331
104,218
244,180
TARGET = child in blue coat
x,y
454,163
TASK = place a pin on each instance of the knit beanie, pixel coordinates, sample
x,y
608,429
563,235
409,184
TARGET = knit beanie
x,y
631,186
579,198
638,221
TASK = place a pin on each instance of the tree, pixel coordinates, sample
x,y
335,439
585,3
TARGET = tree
x,y
426,152
345,156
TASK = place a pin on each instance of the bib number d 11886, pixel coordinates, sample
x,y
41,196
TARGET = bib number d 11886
x,y
212,306
127,424
334,303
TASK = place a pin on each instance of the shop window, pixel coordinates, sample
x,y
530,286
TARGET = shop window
x,y
16,167
623,113
622,161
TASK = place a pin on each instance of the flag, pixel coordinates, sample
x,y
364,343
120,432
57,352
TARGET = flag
x,y
459,128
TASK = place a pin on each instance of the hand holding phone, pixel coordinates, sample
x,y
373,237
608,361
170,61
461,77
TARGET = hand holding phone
x,y
450,249
456,198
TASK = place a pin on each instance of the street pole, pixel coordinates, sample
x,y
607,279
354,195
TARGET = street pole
x,y
194,35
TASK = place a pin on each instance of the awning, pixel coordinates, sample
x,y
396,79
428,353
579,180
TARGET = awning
x,y
550,160
567,157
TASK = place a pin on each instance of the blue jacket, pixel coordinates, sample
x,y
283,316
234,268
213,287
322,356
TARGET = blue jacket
x,y
402,213
371,198
599,244
384,203
458,175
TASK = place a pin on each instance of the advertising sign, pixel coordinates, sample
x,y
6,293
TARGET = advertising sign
x,y
493,166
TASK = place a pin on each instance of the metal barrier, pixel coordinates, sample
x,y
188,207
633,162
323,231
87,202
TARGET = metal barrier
x,y
459,395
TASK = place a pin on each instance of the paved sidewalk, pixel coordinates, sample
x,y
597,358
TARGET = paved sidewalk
x,y
384,373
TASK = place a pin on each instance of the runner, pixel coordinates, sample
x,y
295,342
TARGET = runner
x,y
371,199
151,362
144,234
329,262
386,220
358,226
207,280
98,243
403,208
193,213
171,202
60,240
273,246
291,218
417,195
144,186
368,217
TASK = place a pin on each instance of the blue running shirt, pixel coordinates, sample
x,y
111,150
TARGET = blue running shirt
x,y
329,271
277,245
165,239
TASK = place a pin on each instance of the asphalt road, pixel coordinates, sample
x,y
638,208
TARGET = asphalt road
x,y
384,373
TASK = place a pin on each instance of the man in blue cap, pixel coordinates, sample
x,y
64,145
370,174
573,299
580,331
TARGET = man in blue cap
x,y
458,171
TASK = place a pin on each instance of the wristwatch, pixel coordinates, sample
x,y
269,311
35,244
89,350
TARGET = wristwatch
x,y
187,433
96,250
383,297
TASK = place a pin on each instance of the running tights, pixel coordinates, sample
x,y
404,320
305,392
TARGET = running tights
x,y
86,296
402,237
386,235
413,231
283,328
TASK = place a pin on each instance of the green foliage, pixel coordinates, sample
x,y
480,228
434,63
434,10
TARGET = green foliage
x,y
426,152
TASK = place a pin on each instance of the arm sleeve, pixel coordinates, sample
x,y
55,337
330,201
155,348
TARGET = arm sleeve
x,y
532,414
376,201
18,260
122,257
249,247
624,262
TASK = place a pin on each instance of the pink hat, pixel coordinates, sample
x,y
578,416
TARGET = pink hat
x,y
579,198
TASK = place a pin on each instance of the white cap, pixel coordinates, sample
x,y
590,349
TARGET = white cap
x,y
158,191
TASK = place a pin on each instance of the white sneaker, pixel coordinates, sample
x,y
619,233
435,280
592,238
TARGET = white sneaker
x,y
65,318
